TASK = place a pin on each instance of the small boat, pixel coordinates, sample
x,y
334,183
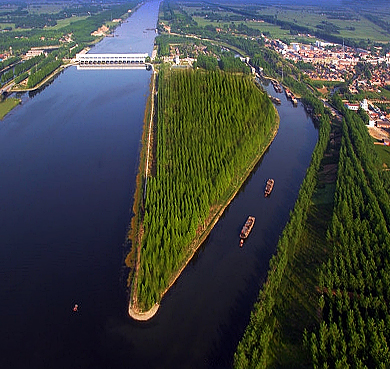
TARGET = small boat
x,y
246,229
268,187
75,308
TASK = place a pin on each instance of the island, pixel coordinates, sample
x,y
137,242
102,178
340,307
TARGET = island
x,y
208,132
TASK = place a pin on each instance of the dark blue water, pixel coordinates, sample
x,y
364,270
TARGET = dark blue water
x,y
69,157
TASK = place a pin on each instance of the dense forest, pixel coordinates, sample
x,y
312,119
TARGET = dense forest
x,y
211,127
355,281
338,232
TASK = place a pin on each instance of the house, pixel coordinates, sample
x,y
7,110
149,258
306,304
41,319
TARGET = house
x,y
383,124
350,106
356,106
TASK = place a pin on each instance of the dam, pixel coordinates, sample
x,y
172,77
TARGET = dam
x,y
110,59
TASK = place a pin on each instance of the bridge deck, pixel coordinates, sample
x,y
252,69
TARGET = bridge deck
x,y
111,58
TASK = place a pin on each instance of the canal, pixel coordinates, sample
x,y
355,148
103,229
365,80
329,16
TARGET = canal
x,y
69,156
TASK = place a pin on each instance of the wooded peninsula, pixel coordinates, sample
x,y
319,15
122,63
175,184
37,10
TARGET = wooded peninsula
x,y
211,129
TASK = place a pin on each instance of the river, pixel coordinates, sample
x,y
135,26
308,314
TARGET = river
x,y
69,156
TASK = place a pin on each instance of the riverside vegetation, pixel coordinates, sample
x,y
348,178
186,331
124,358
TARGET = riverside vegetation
x,y
212,126
263,344
324,302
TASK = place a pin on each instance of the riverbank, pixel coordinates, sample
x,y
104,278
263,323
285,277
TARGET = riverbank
x,y
202,232
44,81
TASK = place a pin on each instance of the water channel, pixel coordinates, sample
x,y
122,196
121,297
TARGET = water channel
x,y
69,156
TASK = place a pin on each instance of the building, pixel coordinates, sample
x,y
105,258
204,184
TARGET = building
x,y
356,106
295,46
364,105
33,52
350,106
383,124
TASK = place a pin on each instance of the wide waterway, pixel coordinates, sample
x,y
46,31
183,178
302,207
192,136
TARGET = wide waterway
x,y
69,156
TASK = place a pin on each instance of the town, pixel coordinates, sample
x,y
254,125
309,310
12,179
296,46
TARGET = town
x,y
338,63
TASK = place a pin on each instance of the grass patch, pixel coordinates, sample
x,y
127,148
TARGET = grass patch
x,y
324,194
272,29
6,25
7,105
61,23
46,8
358,27
373,95
296,306
384,154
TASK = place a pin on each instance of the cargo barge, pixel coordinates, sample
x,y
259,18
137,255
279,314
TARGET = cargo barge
x,y
246,229
276,85
291,96
275,100
269,187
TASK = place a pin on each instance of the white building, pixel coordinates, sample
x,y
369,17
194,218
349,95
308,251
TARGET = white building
x,y
295,46
356,106
350,106
364,105
323,44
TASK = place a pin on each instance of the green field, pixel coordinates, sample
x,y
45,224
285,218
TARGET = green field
x,y
354,26
372,95
7,105
4,25
275,32
46,8
272,30
61,23
384,154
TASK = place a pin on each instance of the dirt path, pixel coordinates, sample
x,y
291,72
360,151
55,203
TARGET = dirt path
x,y
378,133
143,316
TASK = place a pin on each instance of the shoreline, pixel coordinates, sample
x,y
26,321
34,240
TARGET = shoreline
x,y
139,315
45,80
143,169
10,104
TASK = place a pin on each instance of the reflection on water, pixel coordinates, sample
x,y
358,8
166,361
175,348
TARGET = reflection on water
x,y
108,67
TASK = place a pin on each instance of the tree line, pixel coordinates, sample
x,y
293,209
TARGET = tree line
x,y
20,69
45,69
